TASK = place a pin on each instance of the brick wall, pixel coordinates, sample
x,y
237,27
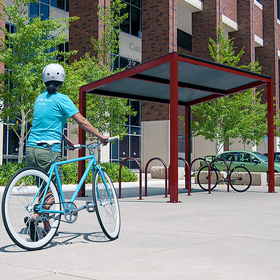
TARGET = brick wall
x,y
268,54
204,26
278,32
154,111
81,31
244,37
184,51
258,21
159,33
229,9
159,24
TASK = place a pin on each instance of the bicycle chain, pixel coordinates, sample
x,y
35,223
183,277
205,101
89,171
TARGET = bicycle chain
x,y
64,213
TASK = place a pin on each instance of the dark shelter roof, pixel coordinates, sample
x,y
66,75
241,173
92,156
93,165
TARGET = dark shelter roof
x,y
199,80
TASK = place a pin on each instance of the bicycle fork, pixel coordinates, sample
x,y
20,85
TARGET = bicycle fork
x,y
107,189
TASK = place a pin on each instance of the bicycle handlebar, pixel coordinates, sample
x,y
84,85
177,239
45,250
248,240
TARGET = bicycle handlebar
x,y
79,146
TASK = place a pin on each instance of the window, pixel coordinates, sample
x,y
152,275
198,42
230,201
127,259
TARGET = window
x,y
61,4
278,9
123,62
39,9
62,48
10,28
181,143
132,24
42,8
184,40
130,145
10,142
245,157
229,156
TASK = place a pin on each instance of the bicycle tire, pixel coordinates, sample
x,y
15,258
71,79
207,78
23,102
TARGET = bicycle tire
x,y
240,179
107,210
17,210
202,177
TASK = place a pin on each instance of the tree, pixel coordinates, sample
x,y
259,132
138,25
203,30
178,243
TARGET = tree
x,y
24,54
107,114
34,45
239,115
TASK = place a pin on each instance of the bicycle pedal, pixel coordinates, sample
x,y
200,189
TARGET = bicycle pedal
x,y
90,206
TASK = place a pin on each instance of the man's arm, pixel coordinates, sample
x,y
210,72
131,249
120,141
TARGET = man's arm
x,y
85,125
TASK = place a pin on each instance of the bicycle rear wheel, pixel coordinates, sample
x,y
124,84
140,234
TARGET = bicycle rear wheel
x,y
240,178
20,198
106,204
202,178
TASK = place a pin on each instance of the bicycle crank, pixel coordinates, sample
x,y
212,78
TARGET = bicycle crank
x,y
70,212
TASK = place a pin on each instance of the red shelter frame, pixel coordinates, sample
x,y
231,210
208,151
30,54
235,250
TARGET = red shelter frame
x,y
173,60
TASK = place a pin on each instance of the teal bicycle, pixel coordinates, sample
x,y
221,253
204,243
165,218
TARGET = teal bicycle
x,y
32,192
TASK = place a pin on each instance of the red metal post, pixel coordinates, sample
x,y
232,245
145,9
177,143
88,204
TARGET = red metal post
x,y
174,128
82,141
187,143
270,136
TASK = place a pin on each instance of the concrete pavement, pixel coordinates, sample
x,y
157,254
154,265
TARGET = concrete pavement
x,y
218,236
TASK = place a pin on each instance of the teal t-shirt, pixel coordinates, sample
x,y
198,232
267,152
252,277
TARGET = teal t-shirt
x,y
49,118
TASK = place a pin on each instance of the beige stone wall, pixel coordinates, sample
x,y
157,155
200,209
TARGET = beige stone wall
x,y
201,148
155,142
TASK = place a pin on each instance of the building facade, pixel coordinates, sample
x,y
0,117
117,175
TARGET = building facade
x,y
161,27
154,28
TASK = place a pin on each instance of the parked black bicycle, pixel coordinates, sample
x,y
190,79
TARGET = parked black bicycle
x,y
240,178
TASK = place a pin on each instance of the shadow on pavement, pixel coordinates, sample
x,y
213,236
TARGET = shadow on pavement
x,y
64,238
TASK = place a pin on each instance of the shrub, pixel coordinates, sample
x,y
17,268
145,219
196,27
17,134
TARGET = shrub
x,y
113,171
70,172
8,170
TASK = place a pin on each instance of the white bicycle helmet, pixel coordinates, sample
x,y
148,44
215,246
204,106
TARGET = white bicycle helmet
x,y
53,72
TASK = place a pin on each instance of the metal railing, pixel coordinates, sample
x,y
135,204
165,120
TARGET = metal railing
x,y
209,170
187,175
146,175
140,176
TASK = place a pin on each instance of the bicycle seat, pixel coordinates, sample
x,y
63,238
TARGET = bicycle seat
x,y
49,143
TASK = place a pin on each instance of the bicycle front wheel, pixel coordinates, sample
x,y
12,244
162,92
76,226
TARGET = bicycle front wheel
x,y
106,204
240,179
21,198
202,178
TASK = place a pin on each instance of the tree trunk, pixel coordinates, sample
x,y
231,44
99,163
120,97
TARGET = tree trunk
x,y
21,137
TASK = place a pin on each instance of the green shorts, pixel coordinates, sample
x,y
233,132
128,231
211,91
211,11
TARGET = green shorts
x,y
41,158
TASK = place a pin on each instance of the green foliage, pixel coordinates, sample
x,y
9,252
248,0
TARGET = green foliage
x,y
239,115
113,171
108,43
70,172
7,171
104,113
25,53
107,114
223,51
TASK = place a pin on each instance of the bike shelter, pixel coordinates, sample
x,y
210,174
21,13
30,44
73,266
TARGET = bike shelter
x,y
178,79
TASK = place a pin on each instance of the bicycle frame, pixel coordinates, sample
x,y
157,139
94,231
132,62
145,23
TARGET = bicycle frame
x,y
53,169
